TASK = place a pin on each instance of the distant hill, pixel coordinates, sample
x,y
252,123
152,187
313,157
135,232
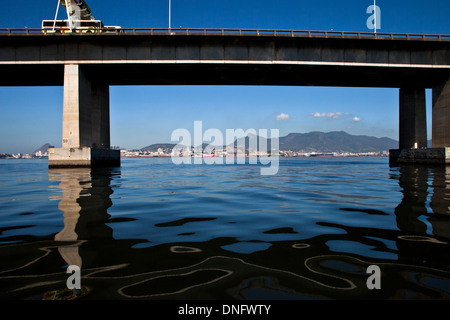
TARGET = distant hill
x,y
44,148
336,141
156,146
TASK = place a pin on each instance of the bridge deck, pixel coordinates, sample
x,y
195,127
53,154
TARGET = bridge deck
x,y
226,57
243,32
88,63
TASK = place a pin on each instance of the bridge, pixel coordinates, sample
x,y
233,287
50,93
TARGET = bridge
x,y
86,64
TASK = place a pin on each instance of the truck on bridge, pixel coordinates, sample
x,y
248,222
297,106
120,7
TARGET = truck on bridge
x,y
79,19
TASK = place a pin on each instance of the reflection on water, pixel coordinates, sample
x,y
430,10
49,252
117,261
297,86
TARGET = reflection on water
x,y
440,202
84,202
157,231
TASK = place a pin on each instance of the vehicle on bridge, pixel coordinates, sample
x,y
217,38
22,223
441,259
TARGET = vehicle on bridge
x,y
78,26
79,20
64,26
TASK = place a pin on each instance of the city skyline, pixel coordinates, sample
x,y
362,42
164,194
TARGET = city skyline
x,y
32,116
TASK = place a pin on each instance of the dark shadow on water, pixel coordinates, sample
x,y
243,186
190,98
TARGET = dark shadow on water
x,y
423,216
85,202
283,269
426,193
86,198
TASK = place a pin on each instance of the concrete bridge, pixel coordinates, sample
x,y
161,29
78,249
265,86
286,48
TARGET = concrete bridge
x,y
87,64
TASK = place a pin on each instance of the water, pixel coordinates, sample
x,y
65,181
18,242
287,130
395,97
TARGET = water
x,y
154,230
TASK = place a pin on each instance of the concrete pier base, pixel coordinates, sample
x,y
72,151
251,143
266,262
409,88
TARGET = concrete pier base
x,y
85,157
420,156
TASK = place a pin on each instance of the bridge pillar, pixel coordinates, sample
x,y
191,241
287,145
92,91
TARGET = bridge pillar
x,y
413,121
100,116
413,127
86,131
441,115
77,120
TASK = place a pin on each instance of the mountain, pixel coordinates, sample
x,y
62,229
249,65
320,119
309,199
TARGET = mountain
x,y
336,141
251,138
44,148
155,147
164,146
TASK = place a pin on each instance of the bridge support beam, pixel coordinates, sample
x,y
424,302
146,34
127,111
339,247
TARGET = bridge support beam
x,y
413,146
441,115
86,131
413,119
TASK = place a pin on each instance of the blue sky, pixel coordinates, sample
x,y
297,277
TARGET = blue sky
x,y
32,116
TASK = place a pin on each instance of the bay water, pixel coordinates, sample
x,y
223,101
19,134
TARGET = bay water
x,y
151,229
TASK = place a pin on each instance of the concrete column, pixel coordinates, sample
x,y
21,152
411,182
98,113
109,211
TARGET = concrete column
x,y
100,116
77,125
413,122
441,115
86,134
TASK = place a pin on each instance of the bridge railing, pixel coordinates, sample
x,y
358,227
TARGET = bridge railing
x,y
233,32
21,31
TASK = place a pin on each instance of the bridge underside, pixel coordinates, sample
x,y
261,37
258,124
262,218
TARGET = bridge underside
x,y
86,104
86,99
87,65
228,74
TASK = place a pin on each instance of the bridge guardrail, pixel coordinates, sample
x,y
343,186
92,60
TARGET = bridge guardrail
x,y
237,32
